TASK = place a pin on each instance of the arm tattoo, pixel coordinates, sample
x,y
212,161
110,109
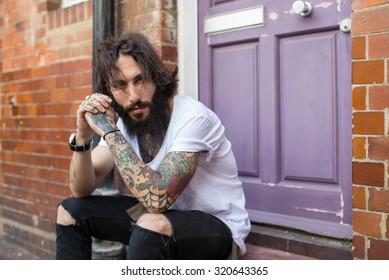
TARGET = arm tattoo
x,y
156,190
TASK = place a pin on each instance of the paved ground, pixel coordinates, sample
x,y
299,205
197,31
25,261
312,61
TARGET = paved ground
x,y
262,253
9,251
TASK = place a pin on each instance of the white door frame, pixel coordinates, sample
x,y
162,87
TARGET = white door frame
x,y
188,48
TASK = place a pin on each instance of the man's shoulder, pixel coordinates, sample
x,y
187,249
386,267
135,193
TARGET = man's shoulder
x,y
189,105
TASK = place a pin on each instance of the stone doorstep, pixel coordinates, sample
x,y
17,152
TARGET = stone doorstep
x,y
300,243
262,253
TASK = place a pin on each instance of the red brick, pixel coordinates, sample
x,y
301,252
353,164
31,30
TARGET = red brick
x,y
151,20
42,7
368,72
73,14
370,20
379,97
378,46
370,3
140,7
368,173
154,35
378,148
64,15
358,47
366,223
9,6
128,8
81,12
378,200
359,147
359,98
359,247
359,197
368,123
151,5
51,21
53,5
87,78
75,81
59,19
169,54
378,250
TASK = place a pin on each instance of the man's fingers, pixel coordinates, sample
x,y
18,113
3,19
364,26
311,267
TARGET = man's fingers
x,y
102,98
95,103
87,106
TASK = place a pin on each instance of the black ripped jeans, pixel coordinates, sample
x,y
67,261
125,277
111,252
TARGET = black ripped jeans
x,y
196,235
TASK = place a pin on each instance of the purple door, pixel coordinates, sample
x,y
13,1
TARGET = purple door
x,y
281,83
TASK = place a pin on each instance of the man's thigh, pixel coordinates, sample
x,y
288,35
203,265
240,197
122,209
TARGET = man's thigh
x,y
198,235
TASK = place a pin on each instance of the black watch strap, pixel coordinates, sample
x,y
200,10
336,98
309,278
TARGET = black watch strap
x,y
78,148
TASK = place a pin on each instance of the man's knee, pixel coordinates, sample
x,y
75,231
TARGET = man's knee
x,y
63,217
156,222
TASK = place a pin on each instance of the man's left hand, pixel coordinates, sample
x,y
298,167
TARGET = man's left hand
x,y
102,123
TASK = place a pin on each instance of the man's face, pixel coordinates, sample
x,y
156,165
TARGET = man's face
x,y
131,91
141,106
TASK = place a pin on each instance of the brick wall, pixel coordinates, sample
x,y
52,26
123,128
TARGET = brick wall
x,y
45,58
45,63
156,19
370,53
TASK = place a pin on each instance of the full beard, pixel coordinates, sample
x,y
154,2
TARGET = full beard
x,y
155,125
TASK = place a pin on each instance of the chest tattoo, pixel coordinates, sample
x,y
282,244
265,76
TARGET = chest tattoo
x,y
149,147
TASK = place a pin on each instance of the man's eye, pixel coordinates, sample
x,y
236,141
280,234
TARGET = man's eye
x,y
138,80
118,85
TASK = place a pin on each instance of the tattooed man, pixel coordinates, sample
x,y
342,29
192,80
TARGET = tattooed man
x,y
172,155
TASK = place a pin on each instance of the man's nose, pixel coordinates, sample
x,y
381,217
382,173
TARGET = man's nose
x,y
133,92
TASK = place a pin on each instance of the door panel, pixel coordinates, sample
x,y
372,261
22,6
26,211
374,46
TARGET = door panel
x,y
283,91
237,65
308,118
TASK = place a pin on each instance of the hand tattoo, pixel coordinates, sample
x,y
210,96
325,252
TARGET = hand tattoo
x,y
105,121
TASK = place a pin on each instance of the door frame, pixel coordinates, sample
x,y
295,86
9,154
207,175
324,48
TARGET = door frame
x,y
188,73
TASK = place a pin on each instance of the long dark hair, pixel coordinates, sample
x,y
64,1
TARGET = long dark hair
x,y
137,46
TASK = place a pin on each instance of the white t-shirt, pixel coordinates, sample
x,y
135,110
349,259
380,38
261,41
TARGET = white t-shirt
x,y
215,187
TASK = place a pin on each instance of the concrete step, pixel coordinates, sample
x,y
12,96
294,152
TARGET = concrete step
x,y
262,253
300,243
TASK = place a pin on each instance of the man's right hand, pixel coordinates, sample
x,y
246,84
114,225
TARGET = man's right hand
x,y
94,104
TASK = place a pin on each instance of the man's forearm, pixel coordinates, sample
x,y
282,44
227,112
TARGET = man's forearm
x,y
82,174
127,162
156,190
143,182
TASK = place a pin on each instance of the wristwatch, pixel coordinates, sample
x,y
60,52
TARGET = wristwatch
x,y
80,148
